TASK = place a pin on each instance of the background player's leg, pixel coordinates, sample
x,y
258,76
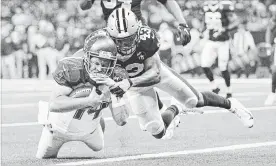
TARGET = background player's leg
x,y
49,144
272,96
208,57
223,55
95,140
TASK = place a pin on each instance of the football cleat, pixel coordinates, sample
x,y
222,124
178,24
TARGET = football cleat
x,y
270,99
241,112
170,130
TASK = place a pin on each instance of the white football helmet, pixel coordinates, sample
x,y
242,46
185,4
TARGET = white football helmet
x,y
123,25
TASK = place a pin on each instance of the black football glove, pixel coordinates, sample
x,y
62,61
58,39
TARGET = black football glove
x,y
184,34
120,88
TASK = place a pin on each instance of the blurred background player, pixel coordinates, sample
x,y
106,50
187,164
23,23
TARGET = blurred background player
x,y
73,118
271,40
217,18
135,5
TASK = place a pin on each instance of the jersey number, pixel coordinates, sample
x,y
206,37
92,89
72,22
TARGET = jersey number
x,y
134,69
80,112
111,4
144,34
96,113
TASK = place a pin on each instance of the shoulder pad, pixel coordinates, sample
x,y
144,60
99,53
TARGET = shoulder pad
x,y
148,40
70,71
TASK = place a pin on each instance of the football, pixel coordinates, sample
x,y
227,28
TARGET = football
x,y
83,91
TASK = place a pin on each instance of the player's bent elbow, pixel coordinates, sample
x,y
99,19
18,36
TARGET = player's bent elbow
x,y
96,147
157,76
157,79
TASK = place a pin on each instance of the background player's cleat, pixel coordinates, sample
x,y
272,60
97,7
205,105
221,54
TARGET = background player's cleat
x,y
228,95
241,112
216,91
270,99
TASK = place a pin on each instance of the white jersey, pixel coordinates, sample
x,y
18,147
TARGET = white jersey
x,y
78,122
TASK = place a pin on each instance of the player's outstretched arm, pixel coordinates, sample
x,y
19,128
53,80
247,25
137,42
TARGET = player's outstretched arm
x,y
61,102
183,29
152,74
173,7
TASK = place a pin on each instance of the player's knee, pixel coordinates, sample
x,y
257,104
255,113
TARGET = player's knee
x,y
45,155
191,102
155,127
99,147
200,102
160,135
96,146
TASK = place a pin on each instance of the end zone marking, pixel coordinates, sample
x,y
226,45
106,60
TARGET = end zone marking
x,y
177,153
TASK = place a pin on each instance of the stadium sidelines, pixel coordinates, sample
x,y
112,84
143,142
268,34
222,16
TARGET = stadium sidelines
x,y
169,154
134,117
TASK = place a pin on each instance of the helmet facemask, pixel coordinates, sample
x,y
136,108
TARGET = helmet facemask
x,y
127,45
123,26
99,64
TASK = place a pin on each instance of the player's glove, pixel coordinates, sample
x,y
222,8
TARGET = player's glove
x,y
120,88
184,34
86,4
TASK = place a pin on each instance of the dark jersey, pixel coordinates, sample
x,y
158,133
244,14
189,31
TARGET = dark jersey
x,y
147,46
109,5
216,22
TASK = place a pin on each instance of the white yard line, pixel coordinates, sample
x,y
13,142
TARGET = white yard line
x,y
134,117
244,97
177,153
19,105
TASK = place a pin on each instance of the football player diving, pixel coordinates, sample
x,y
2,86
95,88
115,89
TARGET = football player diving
x,y
137,47
76,105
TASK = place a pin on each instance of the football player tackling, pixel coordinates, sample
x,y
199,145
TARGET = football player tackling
x,y
108,6
76,105
137,48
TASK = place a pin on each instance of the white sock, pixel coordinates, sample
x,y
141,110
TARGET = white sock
x,y
214,84
229,89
